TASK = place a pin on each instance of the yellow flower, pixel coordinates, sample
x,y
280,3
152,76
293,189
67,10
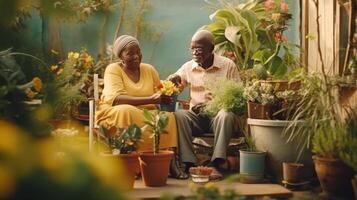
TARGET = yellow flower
x,y
276,16
54,67
88,62
73,55
59,71
30,94
78,74
37,84
168,88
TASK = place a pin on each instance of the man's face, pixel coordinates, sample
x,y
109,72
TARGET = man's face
x,y
200,51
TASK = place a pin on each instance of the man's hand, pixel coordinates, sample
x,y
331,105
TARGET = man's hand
x,y
176,79
197,109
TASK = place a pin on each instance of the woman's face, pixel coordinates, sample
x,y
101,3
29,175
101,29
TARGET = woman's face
x,y
131,56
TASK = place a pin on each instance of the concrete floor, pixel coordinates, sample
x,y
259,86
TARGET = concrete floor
x,y
181,187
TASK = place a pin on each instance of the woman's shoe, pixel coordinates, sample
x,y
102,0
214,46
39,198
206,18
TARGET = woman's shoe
x,y
175,170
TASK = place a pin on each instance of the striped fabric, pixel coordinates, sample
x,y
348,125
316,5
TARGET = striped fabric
x,y
194,76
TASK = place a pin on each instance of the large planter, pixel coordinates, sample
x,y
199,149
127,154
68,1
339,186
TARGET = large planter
x,y
155,167
268,136
251,166
334,176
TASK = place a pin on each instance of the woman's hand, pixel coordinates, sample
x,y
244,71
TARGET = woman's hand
x,y
156,98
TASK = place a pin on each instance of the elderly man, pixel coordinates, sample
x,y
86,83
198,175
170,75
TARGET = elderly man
x,y
194,73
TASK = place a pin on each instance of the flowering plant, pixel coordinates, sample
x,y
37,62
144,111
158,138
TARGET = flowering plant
x,y
32,88
71,78
261,93
168,88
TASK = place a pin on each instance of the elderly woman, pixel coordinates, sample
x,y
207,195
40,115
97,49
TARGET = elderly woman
x,y
130,86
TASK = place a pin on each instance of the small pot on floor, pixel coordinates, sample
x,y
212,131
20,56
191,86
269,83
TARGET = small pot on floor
x,y
293,172
251,166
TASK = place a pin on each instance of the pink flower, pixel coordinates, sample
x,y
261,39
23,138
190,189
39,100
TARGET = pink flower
x,y
269,4
278,36
284,7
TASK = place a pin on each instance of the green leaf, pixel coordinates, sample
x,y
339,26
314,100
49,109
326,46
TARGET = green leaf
x,y
223,14
148,116
260,71
274,65
231,34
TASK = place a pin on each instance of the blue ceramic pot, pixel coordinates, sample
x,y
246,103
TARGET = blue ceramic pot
x,y
169,107
251,165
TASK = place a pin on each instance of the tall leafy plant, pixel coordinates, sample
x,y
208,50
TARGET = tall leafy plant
x,y
157,122
253,31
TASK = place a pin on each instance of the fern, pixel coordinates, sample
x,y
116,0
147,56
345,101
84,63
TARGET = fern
x,y
227,95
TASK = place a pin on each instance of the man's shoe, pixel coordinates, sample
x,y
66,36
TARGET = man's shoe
x,y
175,171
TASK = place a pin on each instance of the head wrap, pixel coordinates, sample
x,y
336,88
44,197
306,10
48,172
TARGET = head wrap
x,y
121,42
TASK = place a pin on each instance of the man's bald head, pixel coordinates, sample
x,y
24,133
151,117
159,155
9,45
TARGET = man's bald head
x,y
203,36
202,46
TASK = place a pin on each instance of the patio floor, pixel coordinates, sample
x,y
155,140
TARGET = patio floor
x,y
181,187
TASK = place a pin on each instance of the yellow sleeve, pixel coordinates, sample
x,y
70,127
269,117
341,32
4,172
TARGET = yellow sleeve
x,y
155,77
113,83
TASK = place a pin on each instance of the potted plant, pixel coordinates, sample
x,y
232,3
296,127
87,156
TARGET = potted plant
x,y
168,88
328,143
349,154
251,162
253,33
123,144
155,164
269,112
261,100
73,81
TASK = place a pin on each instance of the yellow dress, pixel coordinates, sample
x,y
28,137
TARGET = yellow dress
x,y
116,82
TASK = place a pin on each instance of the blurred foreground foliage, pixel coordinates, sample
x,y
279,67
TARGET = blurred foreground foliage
x,y
37,169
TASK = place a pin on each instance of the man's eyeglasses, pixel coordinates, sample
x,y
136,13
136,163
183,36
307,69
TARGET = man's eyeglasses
x,y
197,50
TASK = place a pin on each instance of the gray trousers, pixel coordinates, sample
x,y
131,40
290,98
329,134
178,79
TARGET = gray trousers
x,y
190,124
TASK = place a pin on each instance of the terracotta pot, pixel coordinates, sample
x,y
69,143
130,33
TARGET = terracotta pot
x,y
334,176
130,164
155,168
259,111
282,85
293,172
